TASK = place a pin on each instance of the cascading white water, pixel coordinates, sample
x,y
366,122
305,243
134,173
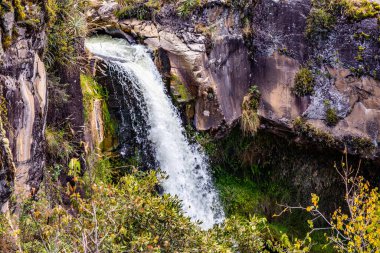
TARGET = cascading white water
x,y
184,163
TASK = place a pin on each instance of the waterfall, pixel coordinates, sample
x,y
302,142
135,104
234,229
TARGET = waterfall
x,y
157,127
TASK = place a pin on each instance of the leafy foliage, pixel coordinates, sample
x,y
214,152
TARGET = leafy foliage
x,y
67,27
331,116
304,82
131,217
356,228
139,11
58,145
319,23
250,120
185,8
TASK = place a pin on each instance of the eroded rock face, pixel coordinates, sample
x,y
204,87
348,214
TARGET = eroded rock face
x,y
218,77
220,51
7,169
23,83
280,29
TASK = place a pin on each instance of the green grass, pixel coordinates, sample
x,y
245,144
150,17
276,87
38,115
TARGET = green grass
x,y
239,197
244,198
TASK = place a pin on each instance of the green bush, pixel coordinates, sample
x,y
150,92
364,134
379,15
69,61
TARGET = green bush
x,y
319,23
250,120
131,217
357,10
139,11
185,8
58,145
67,26
331,116
304,83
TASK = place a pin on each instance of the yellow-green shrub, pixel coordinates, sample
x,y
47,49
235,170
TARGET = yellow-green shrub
x,y
304,82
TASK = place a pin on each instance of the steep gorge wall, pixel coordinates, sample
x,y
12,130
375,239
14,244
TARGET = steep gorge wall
x,y
24,92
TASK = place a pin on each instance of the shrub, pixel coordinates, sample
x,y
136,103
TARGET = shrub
x,y
357,10
356,227
319,23
185,8
331,116
304,83
58,144
139,11
250,120
132,217
67,27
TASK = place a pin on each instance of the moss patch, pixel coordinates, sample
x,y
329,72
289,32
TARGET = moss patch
x,y
92,91
357,10
139,11
179,90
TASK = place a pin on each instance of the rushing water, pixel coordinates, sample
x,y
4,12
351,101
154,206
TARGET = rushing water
x,y
157,127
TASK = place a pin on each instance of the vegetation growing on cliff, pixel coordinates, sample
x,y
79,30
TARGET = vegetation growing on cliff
x,y
95,105
357,10
243,172
179,90
146,9
304,83
358,145
324,14
135,9
319,23
67,28
331,116
250,120
115,208
354,10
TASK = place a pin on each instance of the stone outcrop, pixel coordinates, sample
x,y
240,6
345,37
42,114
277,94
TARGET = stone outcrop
x,y
24,91
280,29
218,77
220,51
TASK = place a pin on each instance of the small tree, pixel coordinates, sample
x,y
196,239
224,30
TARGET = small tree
x,y
357,227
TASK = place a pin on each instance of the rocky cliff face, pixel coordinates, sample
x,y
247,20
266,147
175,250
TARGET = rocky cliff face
x,y
218,76
222,49
24,93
